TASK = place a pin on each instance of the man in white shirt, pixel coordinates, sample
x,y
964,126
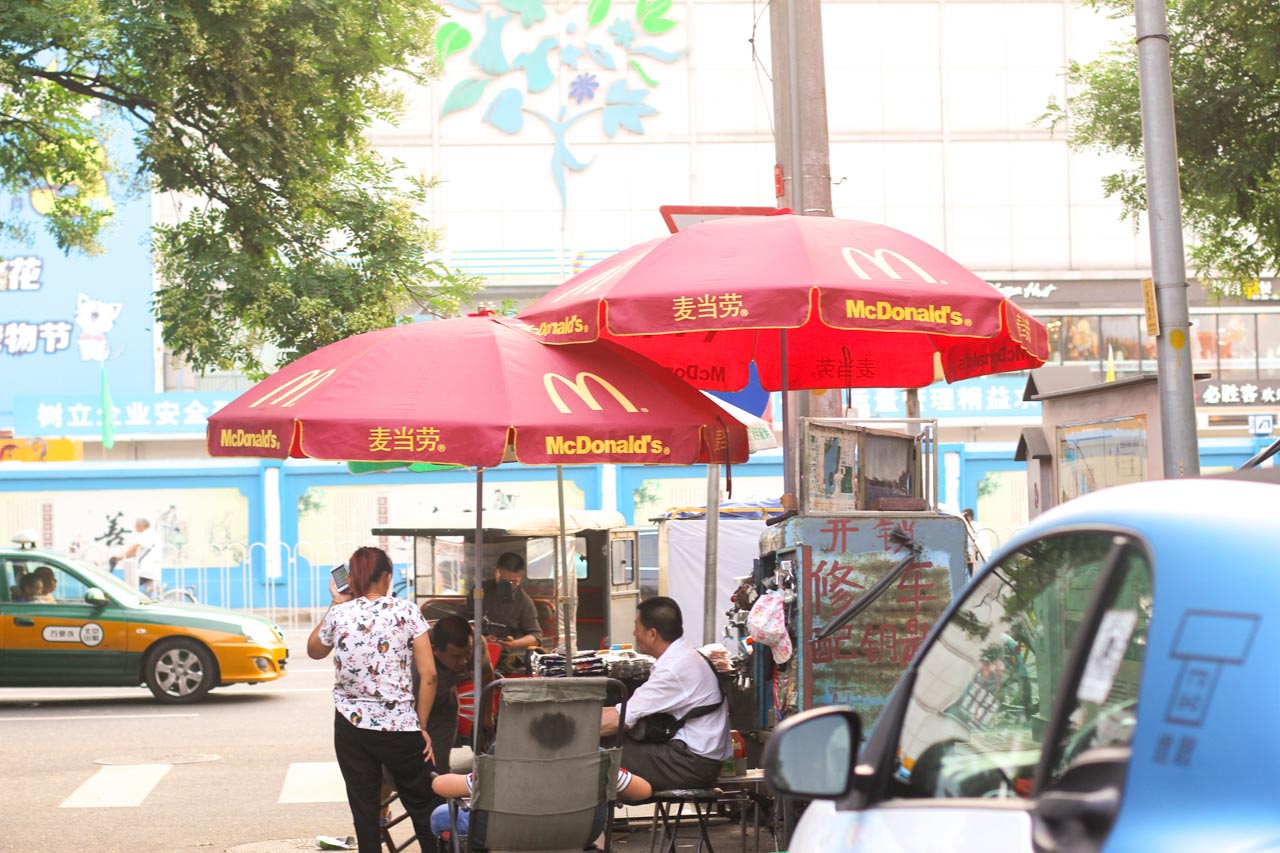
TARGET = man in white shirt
x,y
682,682
145,548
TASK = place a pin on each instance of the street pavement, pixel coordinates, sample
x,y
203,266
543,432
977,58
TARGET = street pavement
x,y
250,769
633,835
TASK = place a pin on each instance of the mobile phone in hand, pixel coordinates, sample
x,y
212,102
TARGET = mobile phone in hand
x,y
340,578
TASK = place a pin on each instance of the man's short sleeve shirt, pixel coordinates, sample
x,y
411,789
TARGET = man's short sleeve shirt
x,y
681,681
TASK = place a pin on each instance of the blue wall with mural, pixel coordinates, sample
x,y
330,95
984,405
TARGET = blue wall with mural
x,y
243,496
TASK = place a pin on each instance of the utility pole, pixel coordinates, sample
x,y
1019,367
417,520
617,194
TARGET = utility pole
x,y
804,161
1168,265
800,105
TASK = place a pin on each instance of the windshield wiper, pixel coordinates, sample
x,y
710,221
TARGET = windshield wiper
x,y
877,589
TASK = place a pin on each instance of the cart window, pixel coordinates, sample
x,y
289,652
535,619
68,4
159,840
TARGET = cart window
x,y
983,695
623,562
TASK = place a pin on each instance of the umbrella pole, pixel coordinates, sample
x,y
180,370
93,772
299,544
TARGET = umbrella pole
x,y
477,593
788,452
710,572
569,576
559,594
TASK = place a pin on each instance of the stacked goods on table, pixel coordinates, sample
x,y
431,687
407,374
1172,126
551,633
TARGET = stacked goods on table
x,y
553,664
549,665
628,665
623,664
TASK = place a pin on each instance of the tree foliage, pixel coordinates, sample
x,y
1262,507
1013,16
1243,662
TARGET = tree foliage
x,y
302,234
1225,60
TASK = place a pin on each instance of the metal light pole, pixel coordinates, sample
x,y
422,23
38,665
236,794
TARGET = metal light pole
x,y
1168,267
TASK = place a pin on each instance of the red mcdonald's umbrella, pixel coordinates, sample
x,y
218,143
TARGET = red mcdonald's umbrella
x,y
864,305
474,391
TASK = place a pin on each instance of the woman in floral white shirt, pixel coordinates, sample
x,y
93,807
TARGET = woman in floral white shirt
x,y
377,642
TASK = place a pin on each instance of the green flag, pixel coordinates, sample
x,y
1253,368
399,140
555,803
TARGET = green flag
x,y
367,467
108,416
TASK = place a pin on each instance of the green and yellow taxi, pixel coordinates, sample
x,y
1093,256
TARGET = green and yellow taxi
x,y
66,624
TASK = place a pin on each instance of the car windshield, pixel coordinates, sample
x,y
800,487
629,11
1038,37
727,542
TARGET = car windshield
x,y
109,584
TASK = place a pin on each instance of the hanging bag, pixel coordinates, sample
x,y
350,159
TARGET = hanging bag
x,y
767,623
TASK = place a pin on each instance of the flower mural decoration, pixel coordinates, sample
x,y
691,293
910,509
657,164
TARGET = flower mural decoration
x,y
555,74
583,88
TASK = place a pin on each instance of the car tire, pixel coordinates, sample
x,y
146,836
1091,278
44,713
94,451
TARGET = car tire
x,y
179,671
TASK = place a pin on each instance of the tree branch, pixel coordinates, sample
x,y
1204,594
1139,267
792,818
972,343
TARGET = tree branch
x,y
85,86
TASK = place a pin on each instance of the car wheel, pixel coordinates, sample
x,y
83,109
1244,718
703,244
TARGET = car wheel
x,y
180,671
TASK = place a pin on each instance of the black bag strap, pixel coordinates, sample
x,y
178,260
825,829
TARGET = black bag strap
x,y
703,710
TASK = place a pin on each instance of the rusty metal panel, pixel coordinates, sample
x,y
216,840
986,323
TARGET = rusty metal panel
x,y
839,559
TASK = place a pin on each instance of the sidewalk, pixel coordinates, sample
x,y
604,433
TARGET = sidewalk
x,y
630,835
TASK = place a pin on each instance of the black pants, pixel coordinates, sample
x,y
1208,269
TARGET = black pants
x,y
668,766
362,753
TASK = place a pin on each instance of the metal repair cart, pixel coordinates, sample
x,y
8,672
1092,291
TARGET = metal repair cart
x,y
865,566
589,605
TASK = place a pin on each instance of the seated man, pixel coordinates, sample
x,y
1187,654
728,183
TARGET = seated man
x,y
684,685
455,785
509,614
451,646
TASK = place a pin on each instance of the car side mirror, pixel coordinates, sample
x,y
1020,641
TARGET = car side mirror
x,y
95,596
812,754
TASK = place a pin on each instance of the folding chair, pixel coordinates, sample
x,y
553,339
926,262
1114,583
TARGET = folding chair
x,y
548,785
387,838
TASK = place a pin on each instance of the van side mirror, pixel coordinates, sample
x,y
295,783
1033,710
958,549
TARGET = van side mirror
x,y
95,596
812,754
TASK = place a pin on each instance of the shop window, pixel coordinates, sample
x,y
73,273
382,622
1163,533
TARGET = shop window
x,y
1147,340
1053,325
1081,341
1204,343
1120,348
1238,347
1269,346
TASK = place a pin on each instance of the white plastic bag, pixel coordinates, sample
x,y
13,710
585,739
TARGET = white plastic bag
x,y
767,624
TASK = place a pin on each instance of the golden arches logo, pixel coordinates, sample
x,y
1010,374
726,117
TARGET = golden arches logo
x,y
294,390
578,385
881,259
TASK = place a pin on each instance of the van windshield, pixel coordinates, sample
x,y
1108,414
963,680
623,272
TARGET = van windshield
x,y
450,561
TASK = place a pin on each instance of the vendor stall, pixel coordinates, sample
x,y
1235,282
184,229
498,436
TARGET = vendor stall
x,y
852,581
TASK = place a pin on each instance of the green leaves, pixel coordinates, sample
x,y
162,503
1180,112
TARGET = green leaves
x,y
304,234
1226,72
650,15
463,95
597,11
450,39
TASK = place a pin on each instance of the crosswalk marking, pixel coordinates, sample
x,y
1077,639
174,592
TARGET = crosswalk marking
x,y
129,785
121,786
313,782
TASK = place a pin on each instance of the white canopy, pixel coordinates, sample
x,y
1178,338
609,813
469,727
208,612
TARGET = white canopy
x,y
512,522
